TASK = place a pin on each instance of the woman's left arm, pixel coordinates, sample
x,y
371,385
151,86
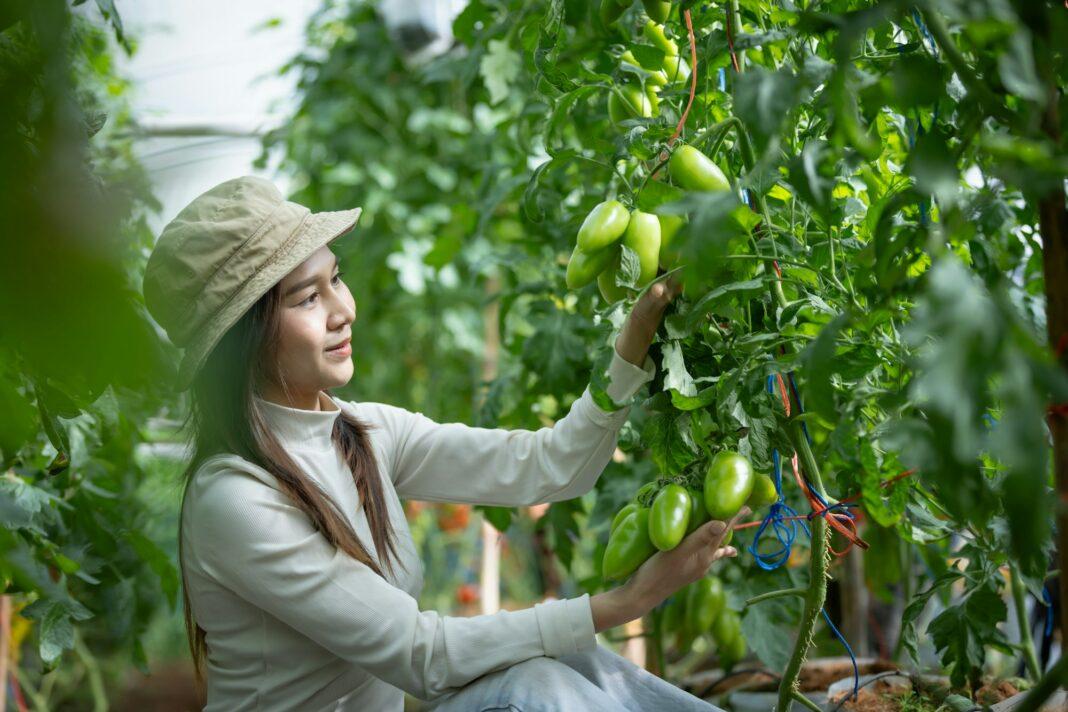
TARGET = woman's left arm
x,y
452,462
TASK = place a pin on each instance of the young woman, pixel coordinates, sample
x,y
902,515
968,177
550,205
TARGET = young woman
x,y
300,574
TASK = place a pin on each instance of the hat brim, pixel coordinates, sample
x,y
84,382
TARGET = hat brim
x,y
316,230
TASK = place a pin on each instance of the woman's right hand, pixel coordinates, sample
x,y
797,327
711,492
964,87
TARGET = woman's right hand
x,y
664,573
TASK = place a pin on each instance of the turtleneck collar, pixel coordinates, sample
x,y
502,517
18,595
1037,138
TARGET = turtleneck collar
x,y
300,428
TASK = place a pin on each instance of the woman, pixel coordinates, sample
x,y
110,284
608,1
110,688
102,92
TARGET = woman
x,y
300,574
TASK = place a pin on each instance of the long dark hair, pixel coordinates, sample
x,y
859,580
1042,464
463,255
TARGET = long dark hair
x,y
226,419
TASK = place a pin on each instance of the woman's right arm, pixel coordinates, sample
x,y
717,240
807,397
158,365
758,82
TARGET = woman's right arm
x,y
253,540
662,574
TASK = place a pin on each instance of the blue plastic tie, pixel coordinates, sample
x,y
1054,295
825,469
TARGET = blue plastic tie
x,y
1048,632
853,658
723,79
927,36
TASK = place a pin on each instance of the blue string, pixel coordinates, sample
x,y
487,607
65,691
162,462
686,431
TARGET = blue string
x,y
853,658
928,37
776,518
1048,632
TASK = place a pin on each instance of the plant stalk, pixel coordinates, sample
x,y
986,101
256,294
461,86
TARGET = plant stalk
x,y
1027,643
816,595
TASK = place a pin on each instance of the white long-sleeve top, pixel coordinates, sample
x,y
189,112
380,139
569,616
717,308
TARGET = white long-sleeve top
x,y
294,624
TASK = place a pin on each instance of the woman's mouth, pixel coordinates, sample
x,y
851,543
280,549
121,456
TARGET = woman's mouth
x,y
344,350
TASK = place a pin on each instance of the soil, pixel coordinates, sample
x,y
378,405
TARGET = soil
x,y
995,692
818,676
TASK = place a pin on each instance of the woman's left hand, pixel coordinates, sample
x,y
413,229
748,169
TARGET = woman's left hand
x,y
644,319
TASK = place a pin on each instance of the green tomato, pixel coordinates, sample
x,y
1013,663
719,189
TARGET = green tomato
x,y
727,627
693,170
728,484
583,267
706,602
654,99
698,513
657,10
603,226
634,104
643,236
628,546
669,516
732,653
669,227
606,280
676,68
673,617
763,493
622,514
654,32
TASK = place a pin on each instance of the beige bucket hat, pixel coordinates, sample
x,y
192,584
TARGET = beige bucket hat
x,y
223,251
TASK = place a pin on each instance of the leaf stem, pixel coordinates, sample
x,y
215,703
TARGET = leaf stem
x,y
781,593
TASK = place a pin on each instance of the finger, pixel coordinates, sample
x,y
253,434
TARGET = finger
x,y
744,512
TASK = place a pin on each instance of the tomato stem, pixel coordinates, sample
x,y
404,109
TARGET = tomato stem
x,y
1027,643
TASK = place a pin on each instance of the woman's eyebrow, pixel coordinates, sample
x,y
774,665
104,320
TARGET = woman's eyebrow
x,y
307,282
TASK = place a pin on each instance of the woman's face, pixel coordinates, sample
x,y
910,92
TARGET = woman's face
x,y
316,313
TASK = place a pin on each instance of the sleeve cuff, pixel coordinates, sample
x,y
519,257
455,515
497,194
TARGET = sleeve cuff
x,y
566,625
624,378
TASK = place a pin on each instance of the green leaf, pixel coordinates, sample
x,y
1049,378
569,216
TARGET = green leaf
x,y
669,441
499,69
499,517
1016,67
763,99
676,377
158,561
961,632
546,50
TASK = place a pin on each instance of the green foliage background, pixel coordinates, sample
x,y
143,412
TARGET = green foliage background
x,y
890,157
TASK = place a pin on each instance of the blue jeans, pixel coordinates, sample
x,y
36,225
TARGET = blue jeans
x,y
594,681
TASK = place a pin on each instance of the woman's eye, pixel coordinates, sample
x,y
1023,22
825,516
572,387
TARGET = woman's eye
x,y
337,278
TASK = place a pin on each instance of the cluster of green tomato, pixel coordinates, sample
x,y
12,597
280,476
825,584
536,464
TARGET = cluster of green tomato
x,y
632,100
638,531
610,226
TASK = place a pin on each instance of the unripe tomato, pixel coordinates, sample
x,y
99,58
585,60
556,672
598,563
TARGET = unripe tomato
x,y
634,103
622,514
693,170
727,627
583,267
643,236
669,227
728,484
707,598
669,516
732,653
672,617
698,513
654,32
676,68
628,546
654,99
606,281
763,493
657,10
603,225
